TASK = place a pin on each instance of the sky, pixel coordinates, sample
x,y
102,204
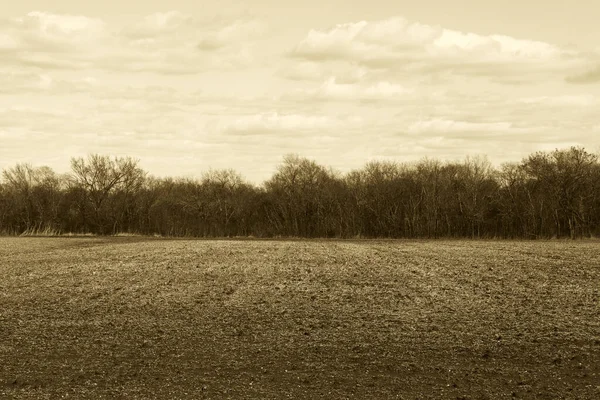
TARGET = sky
x,y
186,86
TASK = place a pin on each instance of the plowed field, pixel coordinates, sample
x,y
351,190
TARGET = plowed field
x,y
135,318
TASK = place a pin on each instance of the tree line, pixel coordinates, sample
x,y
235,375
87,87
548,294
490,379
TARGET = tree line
x,y
547,194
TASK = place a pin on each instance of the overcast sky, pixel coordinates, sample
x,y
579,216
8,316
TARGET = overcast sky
x,y
188,85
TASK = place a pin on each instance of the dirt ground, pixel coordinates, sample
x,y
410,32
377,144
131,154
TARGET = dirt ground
x,y
134,318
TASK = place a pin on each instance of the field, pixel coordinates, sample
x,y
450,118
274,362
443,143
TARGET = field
x,y
137,318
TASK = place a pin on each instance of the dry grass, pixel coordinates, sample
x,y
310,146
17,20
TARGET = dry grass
x,y
137,318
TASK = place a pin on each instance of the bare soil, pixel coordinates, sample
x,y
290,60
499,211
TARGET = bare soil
x,y
133,318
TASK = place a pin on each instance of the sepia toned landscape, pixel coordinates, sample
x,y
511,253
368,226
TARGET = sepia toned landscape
x,y
316,199
141,318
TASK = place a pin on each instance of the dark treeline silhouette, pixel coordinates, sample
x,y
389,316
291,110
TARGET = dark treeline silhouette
x,y
548,194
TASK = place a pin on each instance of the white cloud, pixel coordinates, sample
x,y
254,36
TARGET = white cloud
x,y
50,40
493,48
178,44
445,126
275,123
176,28
231,34
399,43
157,24
45,32
589,76
331,89
385,89
168,43
303,70
583,100
74,26
43,83
7,42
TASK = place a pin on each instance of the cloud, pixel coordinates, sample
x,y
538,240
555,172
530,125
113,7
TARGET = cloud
x,y
444,126
165,43
75,27
331,89
232,34
50,40
8,42
583,100
397,37
300,71
33,119
174,43
401,44
275,123
175,27
43,83
158,24
385,90
303,70
47,32
588,77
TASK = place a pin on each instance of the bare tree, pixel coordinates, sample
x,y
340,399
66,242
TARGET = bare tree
x,y
35,196
300,196
546,194
564,188
100,177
